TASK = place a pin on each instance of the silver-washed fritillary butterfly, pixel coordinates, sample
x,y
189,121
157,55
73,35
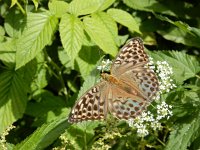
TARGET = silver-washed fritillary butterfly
x,y
125,92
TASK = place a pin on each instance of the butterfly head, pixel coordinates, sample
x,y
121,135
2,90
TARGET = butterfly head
x,y
105,76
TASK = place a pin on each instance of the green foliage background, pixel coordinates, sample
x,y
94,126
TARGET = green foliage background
x,y
48,49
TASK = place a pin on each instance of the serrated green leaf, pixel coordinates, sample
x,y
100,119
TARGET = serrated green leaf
x,y
45,108
124,18
58,7
100,34
65,59
183,26
183,135
40,79
108,22
86,60
44,135
106,4
7,52
184,66
83,130
14,85
153,6
12,97
180,36
71,33
83,7
89,81
14,23
38,33
35,2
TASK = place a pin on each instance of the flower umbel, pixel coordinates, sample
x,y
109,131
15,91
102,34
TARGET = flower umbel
x,y
164,72
105,65
3,137
163,111
147,121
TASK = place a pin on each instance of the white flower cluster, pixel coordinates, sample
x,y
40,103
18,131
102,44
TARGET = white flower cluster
x,y
164,72
147,120
3,141
105,65
163,111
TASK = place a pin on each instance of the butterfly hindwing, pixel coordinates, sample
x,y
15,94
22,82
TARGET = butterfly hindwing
x,y
90,106
123,104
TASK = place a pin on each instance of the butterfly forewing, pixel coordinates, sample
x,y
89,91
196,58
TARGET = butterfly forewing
x,y
130,66
132,55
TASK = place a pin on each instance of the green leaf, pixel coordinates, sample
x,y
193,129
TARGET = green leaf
x,y
155,6
100,34
58,7
125,19
35,2
14,85
108,22
14,23
44,136
83,130
83,7
71,33
38,33
40,79
90,81
12,97
183,26
7,52
46,107
178,35
106,4
181,137
86,60
65,59
184,66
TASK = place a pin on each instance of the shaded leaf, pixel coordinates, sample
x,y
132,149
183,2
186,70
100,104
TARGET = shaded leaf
x,y
38,33
181,137
156,6
86,61
184,66
180,36
44,135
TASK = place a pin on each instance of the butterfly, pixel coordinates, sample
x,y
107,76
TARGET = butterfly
x,y
125,92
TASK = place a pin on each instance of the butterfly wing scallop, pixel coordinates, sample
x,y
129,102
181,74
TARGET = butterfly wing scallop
x,y
91,105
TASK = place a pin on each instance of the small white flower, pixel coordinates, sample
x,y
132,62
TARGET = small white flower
x,y
156,125
142,131
130,122
105,65
163,111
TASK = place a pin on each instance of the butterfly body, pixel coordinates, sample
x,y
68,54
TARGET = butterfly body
x,y
125,92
